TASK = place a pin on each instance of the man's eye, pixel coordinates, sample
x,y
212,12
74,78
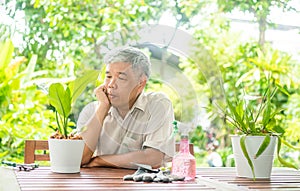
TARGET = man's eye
x,y
122,77
108,76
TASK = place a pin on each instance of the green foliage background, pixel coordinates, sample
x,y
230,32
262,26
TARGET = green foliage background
x,y
61,39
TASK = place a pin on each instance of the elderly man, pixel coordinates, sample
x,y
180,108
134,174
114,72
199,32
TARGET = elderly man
x,y
126,125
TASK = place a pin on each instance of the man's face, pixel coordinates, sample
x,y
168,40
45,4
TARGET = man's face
x,y
123,85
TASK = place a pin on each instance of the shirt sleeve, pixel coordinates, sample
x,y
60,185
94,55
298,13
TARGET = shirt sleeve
x,y
86,115
159,133
88,125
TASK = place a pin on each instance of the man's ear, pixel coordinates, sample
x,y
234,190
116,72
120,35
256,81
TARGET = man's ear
x,y
143,81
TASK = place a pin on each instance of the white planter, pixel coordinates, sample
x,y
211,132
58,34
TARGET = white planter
x,y
262,165
65,155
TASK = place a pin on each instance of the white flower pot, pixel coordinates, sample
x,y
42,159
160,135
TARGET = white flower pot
x,y
262,165
65,155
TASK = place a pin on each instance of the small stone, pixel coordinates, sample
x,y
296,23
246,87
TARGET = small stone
x,y
128,177
138,178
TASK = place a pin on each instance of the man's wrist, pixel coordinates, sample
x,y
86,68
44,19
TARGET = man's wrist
x,y
102,110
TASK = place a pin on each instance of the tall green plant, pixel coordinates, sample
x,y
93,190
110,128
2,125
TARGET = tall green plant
x,y
63,96
250,119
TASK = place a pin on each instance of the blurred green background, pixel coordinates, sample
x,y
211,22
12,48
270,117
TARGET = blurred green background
x,y
234,41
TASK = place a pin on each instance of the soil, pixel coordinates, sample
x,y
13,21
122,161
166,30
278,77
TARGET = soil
x,y
58,135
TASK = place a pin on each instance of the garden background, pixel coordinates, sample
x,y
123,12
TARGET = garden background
x,y
47,41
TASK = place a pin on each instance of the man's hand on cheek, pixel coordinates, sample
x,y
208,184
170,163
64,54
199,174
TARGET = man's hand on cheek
x,y
101,94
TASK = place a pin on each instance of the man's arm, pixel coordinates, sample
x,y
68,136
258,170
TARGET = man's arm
x,y
92,130
149,156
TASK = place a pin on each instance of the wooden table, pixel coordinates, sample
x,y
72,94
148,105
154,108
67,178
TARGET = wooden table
x,y
223,179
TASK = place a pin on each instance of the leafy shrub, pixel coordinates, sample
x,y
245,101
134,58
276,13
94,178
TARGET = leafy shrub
x,y
22,104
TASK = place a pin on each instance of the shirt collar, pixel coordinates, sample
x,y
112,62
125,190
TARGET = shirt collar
x,y
140,102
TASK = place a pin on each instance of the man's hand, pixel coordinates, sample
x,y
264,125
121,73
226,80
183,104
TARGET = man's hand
x,y
97,162
101,94
147,156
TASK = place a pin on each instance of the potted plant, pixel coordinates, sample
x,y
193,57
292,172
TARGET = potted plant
x,y
65,147
254,118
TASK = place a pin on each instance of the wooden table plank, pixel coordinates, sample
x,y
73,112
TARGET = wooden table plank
x,y
111,186
216,179
96,179
281,179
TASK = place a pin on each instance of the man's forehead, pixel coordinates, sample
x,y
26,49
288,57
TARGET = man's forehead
x,y
121,68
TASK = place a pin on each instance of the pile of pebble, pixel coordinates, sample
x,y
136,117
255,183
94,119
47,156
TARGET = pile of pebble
x,y
146,175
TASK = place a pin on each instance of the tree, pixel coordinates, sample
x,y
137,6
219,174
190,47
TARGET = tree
x,y
260,9
78,29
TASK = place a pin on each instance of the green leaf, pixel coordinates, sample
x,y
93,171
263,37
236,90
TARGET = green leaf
x,y
236,113
251,126
30,69
263,146
78,85
289,145
7,49
278,129
266,114
244,149
60,99
3,154
281,160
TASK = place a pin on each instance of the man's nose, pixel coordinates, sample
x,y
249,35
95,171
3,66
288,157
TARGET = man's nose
x,y
112,83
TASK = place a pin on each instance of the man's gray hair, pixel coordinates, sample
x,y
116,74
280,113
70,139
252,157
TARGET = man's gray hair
x,y
131,55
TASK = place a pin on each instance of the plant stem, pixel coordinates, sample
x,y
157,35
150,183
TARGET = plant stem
x,y
57,121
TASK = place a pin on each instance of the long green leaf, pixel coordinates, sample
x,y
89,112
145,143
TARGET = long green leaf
x,y
262,105
29,69
281,160
282,89
250,119
244,149
263,146
7,49
77,86
239,123
266,115
289,145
